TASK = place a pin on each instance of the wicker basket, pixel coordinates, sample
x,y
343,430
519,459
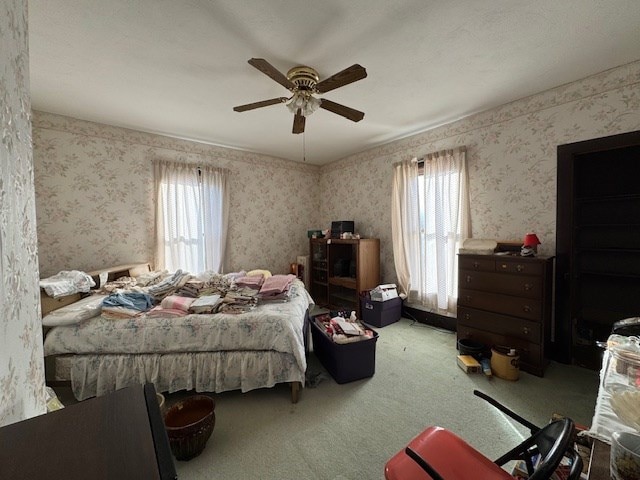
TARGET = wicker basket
x,y
189,424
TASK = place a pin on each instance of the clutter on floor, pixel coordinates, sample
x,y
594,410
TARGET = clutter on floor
x,y
344,346
475,357
52,400
581,444
189,424
548,453
468,364
381,306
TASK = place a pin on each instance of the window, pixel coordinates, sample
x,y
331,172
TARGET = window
x,y
430,220
191,217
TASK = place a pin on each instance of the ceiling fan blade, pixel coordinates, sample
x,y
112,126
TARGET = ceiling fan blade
x,y
298,122
271,71
350,113
348,75
264,103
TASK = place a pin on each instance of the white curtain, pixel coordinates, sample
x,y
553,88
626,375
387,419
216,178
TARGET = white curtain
x,y
430,219
192,211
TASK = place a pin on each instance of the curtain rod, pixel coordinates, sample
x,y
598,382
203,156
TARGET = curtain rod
x,y
197,165
448,151
431,155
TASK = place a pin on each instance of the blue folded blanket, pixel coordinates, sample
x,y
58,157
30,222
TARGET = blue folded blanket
x,y
134,300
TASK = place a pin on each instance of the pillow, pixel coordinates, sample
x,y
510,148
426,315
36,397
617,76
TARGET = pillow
x,y
76,312
235,275
265,273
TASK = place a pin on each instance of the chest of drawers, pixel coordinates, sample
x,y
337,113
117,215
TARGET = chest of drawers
x,y
506,300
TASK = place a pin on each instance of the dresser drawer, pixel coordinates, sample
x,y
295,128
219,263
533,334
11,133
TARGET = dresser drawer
x,y
476,264
521,285
512,265
501,324
531,359
522,307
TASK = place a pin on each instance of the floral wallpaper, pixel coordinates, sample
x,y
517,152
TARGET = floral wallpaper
x,y
22,393
511,154
95,199
94,194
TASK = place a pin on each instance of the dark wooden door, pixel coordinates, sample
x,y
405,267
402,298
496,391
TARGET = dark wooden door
x,y
597,243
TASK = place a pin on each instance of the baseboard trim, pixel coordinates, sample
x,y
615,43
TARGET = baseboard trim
x,y
430,318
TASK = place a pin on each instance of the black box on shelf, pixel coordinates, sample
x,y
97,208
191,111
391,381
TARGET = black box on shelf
x,y
346,362
380,314
341,226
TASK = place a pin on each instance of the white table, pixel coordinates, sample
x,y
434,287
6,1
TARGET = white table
x,y
604,423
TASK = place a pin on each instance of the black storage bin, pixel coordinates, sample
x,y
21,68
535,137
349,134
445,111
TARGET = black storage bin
x,y
345,362
381,314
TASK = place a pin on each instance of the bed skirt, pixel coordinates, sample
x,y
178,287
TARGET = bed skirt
x,y
95,375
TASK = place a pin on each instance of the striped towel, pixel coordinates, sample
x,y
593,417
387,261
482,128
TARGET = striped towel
x,y
276,284
176,302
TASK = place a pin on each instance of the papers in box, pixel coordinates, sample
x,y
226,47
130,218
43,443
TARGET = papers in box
x,y
384,292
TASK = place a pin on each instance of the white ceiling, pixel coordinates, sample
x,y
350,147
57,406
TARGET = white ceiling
x,y
179,67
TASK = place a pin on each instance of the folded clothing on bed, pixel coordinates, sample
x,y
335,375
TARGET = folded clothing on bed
x,y
192,288
133,300
216,284
121,283
176,302
169,285
67,282
205,304
276,285
159,312
125,305
119,313
254,281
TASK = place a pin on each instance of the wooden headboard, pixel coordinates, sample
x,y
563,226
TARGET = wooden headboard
x,y
49,304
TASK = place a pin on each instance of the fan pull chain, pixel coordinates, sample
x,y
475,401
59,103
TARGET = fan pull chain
x,y
304,148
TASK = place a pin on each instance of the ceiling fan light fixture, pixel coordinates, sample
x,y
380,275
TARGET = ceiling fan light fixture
x,y
303,101
303,83
304,78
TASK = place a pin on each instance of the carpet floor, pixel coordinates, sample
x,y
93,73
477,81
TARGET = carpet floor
x,y
349,431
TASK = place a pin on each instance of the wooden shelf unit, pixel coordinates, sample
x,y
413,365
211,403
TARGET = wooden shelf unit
x,y
341,269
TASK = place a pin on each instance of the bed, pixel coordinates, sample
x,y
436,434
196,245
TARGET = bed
x,y
202,352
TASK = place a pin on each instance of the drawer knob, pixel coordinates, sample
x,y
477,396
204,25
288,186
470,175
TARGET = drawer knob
x,y
519,268
526,308
468,298
525,330
468,278
503,265
528,286
476,264
467,316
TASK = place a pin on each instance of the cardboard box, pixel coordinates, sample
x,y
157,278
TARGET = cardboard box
x,y
382,293
468,364
345,362
380,314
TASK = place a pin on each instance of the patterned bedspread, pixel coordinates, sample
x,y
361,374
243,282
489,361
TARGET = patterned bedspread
x,y
273,326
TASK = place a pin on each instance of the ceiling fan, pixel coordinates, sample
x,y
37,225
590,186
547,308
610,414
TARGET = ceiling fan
x,y
304,83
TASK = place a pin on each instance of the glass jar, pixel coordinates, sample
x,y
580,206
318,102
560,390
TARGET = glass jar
x,y
623,365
